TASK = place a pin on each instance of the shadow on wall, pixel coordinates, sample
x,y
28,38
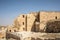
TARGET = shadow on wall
x,y
35,27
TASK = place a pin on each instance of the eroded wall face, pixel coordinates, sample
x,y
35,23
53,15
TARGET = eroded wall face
x,y
48,16
36,20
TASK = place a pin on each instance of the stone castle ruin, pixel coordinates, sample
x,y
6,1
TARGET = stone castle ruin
x,y
39,22
43,22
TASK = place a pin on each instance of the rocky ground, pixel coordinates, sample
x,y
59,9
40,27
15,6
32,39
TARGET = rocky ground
x,y
36,36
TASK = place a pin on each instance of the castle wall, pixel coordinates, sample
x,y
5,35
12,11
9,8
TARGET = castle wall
x,y
47,16
28,22
21,22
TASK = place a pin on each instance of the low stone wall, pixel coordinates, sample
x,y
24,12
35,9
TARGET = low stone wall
x,y
34,36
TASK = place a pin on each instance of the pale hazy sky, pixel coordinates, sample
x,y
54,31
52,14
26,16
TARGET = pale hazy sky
x,y
10,9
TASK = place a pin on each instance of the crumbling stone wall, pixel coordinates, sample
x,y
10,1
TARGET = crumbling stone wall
x,y
36,20
46,17
20,22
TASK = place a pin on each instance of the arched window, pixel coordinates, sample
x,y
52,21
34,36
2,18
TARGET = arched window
x,y
23,16
9,30
56,17
23,23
